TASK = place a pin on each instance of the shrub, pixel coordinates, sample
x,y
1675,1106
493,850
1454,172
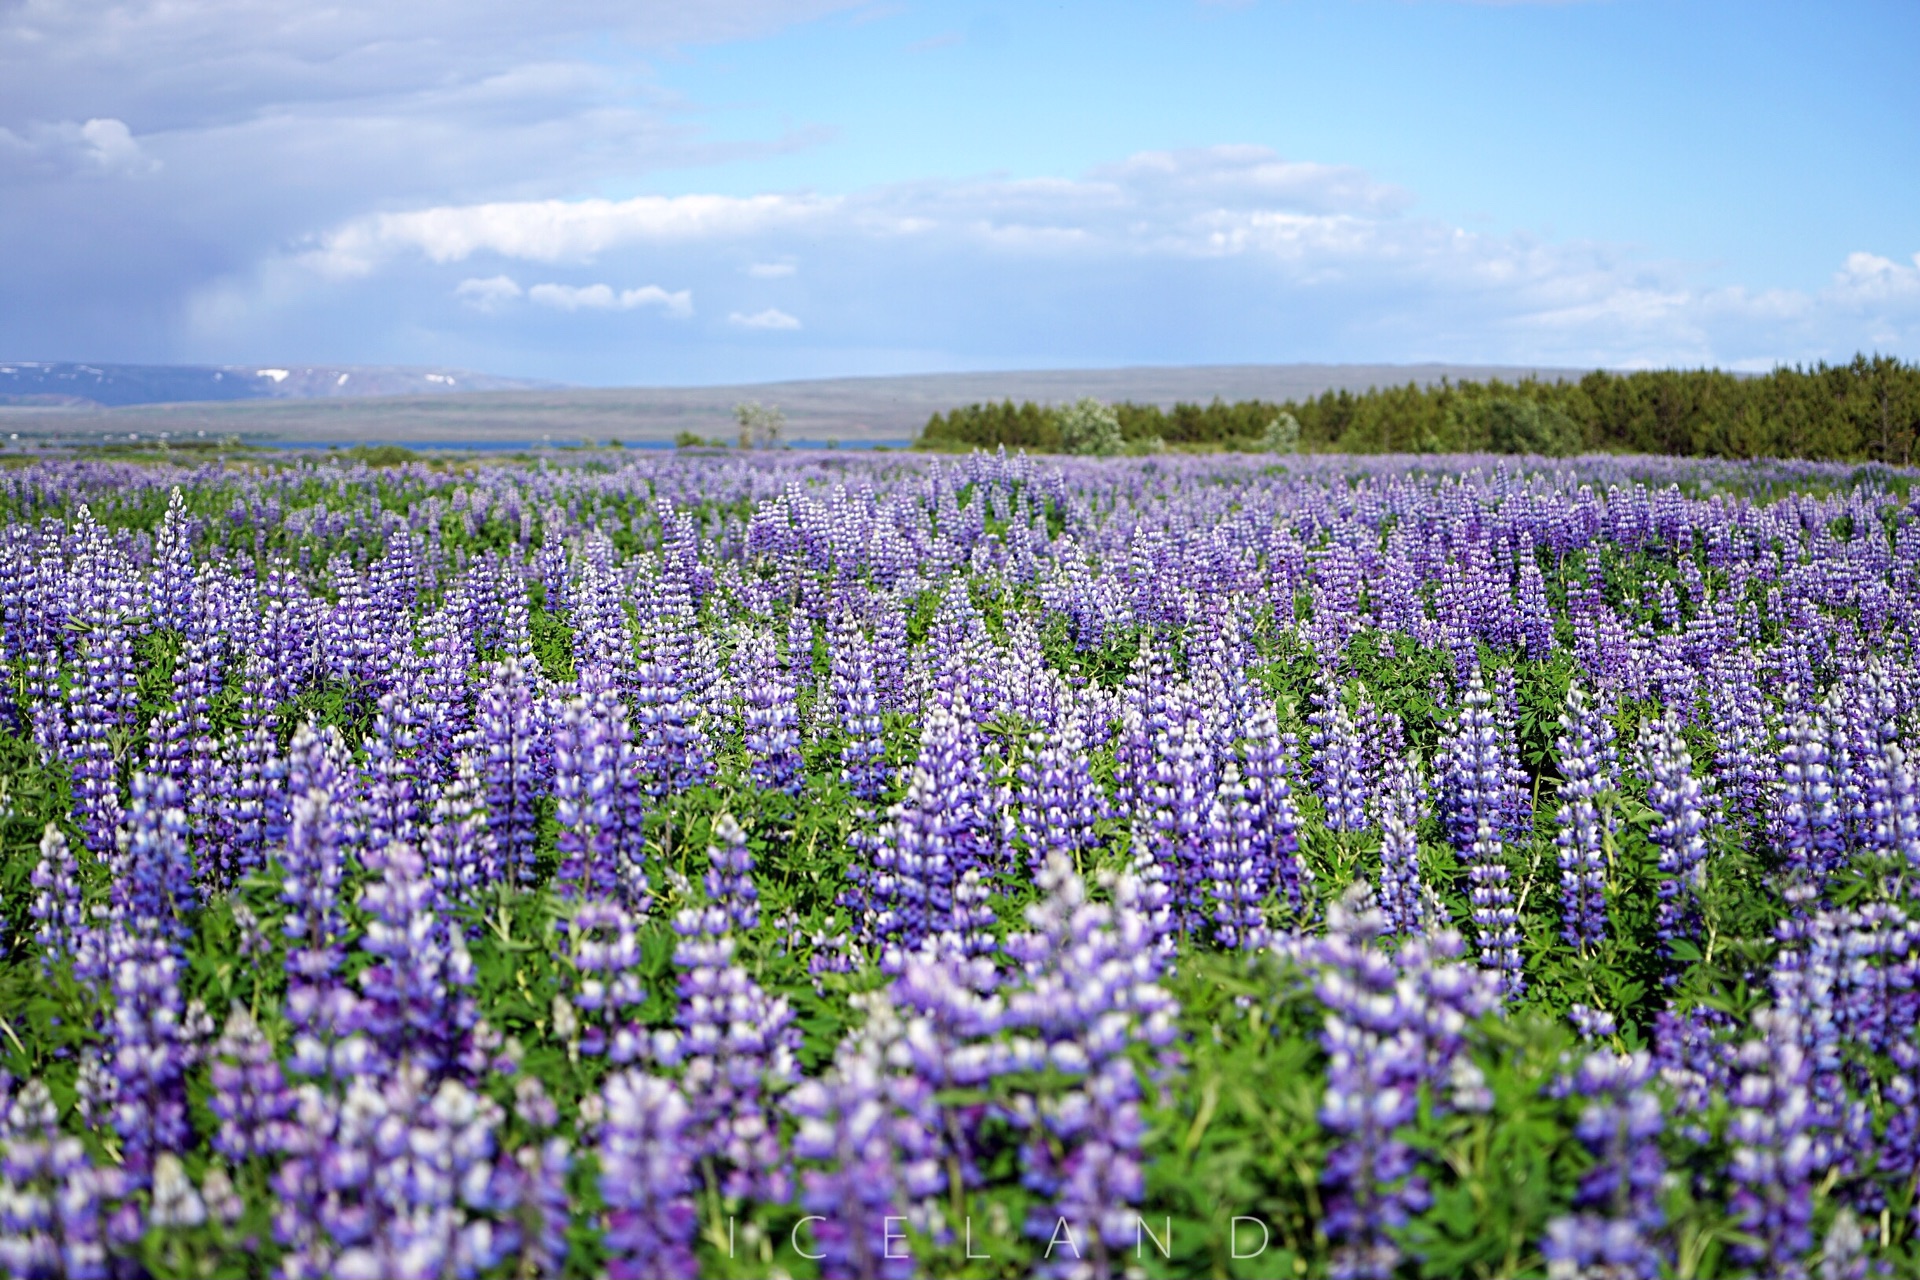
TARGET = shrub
x,y
1090,427
1282,435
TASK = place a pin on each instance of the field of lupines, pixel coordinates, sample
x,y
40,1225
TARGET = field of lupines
x,y
867,867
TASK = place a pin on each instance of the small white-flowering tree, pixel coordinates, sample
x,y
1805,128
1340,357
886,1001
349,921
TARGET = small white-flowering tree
x,y
1090,427
760,424
1282,435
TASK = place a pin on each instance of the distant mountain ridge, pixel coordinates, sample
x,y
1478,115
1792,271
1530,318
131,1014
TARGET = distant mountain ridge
x,y
890,408
77,384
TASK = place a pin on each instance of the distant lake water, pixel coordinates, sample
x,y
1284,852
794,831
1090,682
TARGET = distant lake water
x,y
530,446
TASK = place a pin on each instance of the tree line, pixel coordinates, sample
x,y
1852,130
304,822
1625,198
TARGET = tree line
x,y
1865,410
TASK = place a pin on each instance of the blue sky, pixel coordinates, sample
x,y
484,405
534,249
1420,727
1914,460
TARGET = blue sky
x,y
658,192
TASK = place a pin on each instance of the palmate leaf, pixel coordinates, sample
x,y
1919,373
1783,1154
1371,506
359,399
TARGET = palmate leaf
x,y
1498,1176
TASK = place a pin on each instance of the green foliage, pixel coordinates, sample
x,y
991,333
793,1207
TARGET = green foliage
x,y
760,424
1282,435
1090,427
382,455
1867,410
1514,425
1241,1134
987,426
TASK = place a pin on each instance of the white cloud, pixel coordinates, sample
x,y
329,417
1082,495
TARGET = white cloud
x,y
1866,278
68,148
1203,201
493,294
276,122
111,146
602,297
557,230
202,58
1215,254
489,294
771,318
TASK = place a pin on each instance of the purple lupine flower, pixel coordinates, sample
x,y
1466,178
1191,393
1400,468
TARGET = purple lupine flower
x,y
1592,1024
47,709
153,886
1845,715
175,1202
599,1012
1339,765
352,631
1383,739
462,857
508,727
1397,810
620,801
674,752
1697,1059
250,816
905,895
1451,994
729,879
1476,785
582,804
1377,1061
939,831
647,1158
1265,767
1899,1152
315,869
602,639
1806,820
951,1040
56,1206
1743,769
1896,810
734,1046
196,679
445,718
1829,988
1588,771
398,1178
972,921
1181,793
1619,1197
1234,867
1535,611
152,1044
171,569
1060,802
250,1096
1517,803
322,1012
103,701
414,1007
1090,989
1774,1160
168,750
856,705
1673,793
387,806
545,1208
57,906
770,718
875,1131
1843,1254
